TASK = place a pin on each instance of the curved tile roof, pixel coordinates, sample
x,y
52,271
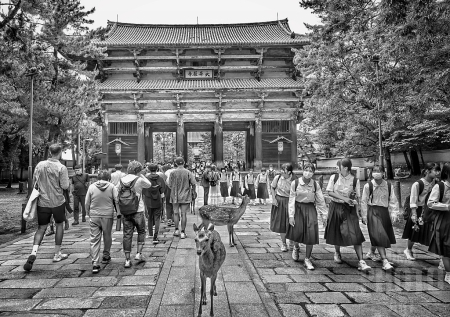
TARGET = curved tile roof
x,y
265,83
263,33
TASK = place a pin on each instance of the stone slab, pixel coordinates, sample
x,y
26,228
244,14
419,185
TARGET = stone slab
x,y
76,292
115,312
358,310
328,298
70,303
443,296
175,294
137,280
242,292
23,283
305,287
324,310
346,287
245,310
291,298
87,281
442,310
17,293
123,291
411,310
290,310
18,304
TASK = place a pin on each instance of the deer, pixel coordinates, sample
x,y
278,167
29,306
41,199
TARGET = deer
x,y
221,216
211,255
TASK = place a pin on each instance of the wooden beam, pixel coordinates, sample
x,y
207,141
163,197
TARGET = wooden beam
x,y
223,101
195,57
186,91
290,111
163,69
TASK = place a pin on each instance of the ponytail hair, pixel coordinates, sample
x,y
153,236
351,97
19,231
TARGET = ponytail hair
x,y
288,167
429,167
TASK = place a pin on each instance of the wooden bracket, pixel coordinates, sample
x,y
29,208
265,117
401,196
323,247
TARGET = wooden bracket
x,y
177,52
219,52
137,65
257,74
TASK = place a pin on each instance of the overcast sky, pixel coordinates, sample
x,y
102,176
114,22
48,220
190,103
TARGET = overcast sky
x,y
207,11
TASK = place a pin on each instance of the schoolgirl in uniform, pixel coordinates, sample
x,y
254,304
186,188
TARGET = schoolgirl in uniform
x,y
249,184
343,222
235,184
416,201
379,210
281,187
306,203
261,181
440,235
224,183
214,191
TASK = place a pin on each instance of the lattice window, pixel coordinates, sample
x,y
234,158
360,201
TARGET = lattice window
x,y
281,126
123,128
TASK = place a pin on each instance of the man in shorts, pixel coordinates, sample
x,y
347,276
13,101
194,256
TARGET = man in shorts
x,y
181,182
50,178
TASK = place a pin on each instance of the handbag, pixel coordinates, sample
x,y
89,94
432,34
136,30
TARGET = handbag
x,y
30,210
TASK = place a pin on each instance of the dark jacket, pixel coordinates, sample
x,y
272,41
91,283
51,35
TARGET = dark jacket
x,y
150,194
205,179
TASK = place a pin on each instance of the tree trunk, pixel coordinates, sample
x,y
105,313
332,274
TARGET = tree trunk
x,y
72,148
387,157
421,156
415,162
10,176
408,163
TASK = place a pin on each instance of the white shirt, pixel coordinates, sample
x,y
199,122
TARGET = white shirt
x,y
380,197
304,193
416,200
433,200
343,186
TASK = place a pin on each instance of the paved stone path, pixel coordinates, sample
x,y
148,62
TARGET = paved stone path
x,y
255,280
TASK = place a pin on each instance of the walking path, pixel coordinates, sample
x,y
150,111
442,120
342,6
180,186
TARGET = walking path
x,y
257,279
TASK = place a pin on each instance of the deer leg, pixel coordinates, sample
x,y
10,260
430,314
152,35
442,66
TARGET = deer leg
x,y
211,293
204,290
230,235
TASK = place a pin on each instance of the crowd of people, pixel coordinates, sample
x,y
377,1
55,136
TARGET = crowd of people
x,y
165,193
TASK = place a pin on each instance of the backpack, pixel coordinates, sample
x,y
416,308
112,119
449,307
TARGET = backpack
x,y
213,180
371,191
429,214
153,194
128,199
407,206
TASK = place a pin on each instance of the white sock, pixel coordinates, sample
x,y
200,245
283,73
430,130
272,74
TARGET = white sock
x,y
35,249
57,249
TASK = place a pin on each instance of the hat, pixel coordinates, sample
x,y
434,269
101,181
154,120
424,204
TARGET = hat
x,y
179,161
77,167
152,167
263,169
118,166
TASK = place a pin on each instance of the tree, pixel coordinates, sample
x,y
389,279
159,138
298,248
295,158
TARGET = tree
x,y
234,145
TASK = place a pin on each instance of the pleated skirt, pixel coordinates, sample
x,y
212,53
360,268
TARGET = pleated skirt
x,y
250,192
235,189
262,192
423,236
343,226
306,229
279,217
214,196
224,189
379,224
440,237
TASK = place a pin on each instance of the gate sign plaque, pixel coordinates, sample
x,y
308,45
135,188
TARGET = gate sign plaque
x,y
118,148
280,146
198,74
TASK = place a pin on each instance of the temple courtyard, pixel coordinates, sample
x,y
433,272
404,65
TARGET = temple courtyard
x,y
256,279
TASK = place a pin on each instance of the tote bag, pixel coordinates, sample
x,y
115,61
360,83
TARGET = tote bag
x,y
30,210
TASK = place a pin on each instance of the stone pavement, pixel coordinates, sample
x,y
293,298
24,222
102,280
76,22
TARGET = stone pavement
x,y
257,279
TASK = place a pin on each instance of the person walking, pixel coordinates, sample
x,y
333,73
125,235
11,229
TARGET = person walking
x,y
279,215
439,202
153,201
102,199
133,217
80,184
50,178
169,207
206,183
117,175
224,184
379,210
419,191
182,183
261,185
235,178
249,184
214,191
306,204
343,222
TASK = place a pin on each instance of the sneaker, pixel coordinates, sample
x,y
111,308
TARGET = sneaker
x,y
308,264
447,278
337,258
155,240
441,265
127,264
284,247
409,255
295,254
96,269
75,223
139,257
106,259
183,235
66,225
291,245
60,257
83,219
387,266
374,257
176,233
29,264
362,266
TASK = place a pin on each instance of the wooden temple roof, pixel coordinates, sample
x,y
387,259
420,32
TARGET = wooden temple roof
x,y
201,35
192,85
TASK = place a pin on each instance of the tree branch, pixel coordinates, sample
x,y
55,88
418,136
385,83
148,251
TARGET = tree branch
x,y
11,14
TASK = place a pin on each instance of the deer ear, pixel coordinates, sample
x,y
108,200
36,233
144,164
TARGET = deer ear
x,y
195,227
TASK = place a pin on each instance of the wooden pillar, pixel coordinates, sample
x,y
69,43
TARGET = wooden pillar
x,y
180,140
148,143
105,157
218,156
141,139
294,159
258,146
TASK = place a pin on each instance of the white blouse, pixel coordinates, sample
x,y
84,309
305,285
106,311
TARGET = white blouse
x,y
343,186
416,200
433,200
380,197
304,193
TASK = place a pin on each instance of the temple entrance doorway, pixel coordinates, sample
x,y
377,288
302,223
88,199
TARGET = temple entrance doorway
x,y
199,146
164,147
234,148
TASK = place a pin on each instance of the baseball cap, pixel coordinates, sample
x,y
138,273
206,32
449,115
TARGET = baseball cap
x,y
78,166
179,161
152,167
